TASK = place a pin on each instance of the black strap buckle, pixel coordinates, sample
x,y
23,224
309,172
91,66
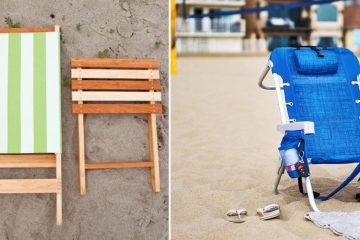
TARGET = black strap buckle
x,y
319,54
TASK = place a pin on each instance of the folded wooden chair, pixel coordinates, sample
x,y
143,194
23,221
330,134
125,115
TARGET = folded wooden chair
x,y
124,86
30,108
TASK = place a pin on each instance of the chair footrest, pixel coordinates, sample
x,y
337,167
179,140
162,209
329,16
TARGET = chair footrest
x,y
108,165
30,186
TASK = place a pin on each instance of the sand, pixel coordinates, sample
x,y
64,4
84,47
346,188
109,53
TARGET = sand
x,y
224,156
120,203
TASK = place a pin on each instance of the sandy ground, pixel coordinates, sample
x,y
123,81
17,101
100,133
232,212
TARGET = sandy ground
x,y
224,153
120,203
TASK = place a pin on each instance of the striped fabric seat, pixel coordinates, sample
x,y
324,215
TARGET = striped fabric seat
x,y
30,104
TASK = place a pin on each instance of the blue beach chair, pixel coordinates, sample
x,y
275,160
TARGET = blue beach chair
x,y
318,91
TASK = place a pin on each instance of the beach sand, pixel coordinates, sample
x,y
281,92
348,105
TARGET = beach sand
x,y
224,156
120,203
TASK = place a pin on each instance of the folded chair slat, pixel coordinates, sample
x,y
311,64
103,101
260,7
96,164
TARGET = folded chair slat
x,y
108,165
116,108
115,85
115,74
30,186
116,96
115,63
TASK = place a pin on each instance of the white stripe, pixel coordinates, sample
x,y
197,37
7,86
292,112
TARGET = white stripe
x,y
4,44
27,93
115,73
116,96
53,104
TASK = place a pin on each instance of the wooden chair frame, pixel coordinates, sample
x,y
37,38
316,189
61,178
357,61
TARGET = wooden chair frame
x,y
10,186
94,68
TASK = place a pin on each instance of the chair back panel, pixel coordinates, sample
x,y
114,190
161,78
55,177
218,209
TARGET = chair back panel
x,y
125,85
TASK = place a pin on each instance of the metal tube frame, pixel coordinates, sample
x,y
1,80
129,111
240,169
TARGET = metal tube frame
x,y
284,119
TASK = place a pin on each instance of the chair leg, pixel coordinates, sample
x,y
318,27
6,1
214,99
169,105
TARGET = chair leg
x,y
310,194
154,153
59,193
278,177
81,154
309,190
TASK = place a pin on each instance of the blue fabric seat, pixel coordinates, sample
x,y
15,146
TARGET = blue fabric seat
x,y
322,91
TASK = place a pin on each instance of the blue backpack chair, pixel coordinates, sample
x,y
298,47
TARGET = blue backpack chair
x,y
318,91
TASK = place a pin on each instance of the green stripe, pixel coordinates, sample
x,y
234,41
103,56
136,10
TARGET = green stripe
x,y
14,79
40,92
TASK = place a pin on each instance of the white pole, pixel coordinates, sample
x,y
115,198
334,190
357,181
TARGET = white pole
x,y
311,194
281,104
283,120
279,98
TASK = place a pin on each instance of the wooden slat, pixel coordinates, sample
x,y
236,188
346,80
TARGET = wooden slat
x,y
114,63
81,142
26,165
154,152
59,192
116,108
30,186
109,165
27,161
81,139
115,74
115,85
26,30
116,96
33,158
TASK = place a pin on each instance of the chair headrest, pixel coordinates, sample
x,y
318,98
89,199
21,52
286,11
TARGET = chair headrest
x,y
308,61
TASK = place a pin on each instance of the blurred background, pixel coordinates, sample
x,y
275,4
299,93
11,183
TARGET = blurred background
x,y
335,24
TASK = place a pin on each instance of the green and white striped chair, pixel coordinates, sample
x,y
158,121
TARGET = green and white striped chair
x,y
30,108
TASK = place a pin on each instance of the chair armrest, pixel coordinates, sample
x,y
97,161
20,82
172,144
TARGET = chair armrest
x,y
308,127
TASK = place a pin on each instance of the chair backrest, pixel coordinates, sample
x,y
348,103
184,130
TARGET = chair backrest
x,y
325,90
115,86
30,90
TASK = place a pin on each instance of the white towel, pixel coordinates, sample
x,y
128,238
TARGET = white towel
x,y
341,223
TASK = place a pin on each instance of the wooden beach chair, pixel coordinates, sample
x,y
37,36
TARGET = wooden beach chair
x,y
123,86
30,108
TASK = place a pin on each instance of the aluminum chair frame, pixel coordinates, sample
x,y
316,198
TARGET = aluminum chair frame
x,y
286,124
